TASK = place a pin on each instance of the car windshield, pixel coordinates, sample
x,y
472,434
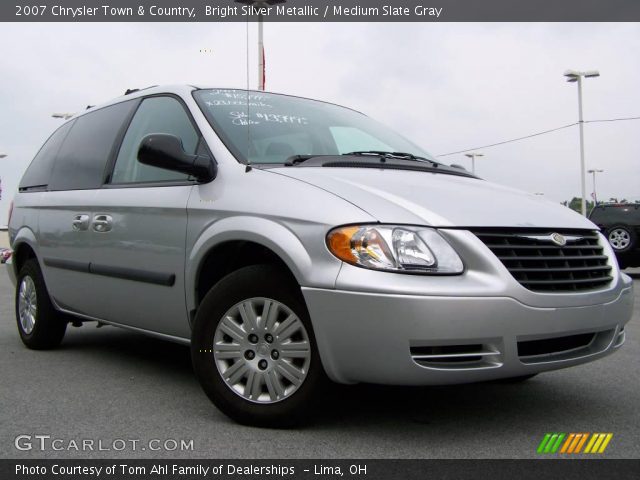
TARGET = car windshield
x,y
264,128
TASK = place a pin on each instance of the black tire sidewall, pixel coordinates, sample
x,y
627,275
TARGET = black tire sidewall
x,y
49,327
250,282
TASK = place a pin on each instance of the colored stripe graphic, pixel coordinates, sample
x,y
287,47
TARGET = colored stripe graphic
x,y
598,442
592,440
604,445
565,447
556,445
551,442
579,437
582,441
543,443
573,443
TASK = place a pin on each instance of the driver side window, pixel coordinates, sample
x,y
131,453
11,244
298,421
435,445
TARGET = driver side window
x,y
154,115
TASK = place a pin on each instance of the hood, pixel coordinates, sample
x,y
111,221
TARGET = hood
x,y
439,200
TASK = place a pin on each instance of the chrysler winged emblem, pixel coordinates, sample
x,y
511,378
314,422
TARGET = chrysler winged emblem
x,y
558,239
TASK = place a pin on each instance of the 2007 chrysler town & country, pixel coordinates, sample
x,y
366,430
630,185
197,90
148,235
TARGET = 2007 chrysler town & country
x,y
288,240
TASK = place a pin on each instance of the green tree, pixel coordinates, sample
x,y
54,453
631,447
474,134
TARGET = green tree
x,y
576,204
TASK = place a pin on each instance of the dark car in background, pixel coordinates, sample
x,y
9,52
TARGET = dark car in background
x,y
620,222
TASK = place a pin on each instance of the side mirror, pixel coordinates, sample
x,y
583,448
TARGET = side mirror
x,y
165,151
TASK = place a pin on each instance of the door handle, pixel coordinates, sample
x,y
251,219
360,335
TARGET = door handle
x,y
102,223
80,222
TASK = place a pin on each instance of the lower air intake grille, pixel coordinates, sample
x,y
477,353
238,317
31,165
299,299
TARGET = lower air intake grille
x,y
567,347
542,265
554,345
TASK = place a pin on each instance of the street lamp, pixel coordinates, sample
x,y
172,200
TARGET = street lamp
x,y
260,4
473,156
64,116
575,76
2,155
593,171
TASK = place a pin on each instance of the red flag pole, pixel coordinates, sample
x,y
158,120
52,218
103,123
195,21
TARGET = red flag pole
x,y
261,67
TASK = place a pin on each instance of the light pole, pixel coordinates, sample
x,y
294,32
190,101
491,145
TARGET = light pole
x,y
473,156
64,116
2,155
575,76
593,171
260,4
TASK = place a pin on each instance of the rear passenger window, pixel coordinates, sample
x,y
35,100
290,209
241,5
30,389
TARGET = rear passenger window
x,y
39,172
597,215
155,115
84,154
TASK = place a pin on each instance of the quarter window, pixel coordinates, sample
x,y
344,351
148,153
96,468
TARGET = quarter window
x,y
155,115
81,162
38,174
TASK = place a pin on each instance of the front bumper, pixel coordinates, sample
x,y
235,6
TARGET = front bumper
x,y
417,339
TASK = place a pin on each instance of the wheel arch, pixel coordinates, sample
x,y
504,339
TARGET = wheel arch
x,y
25,246
236,242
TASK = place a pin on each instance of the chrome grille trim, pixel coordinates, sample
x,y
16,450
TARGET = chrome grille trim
x,y
471,356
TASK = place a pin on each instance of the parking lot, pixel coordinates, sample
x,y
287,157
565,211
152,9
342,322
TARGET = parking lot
x,y
107,384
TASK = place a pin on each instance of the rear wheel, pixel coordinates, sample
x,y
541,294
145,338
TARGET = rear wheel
x,y
622,238
253,349
39,324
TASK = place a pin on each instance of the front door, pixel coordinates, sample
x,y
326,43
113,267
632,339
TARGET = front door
x,y
138,228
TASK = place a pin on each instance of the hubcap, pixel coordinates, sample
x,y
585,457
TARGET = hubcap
x,y
619,239
27,304
280,350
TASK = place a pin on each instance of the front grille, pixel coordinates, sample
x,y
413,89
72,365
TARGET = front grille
x,y
542,266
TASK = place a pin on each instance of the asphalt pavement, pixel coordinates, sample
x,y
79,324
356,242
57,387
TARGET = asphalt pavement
x,y
117,388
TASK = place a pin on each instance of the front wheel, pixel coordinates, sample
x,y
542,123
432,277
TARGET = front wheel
x,y
39,324
254,351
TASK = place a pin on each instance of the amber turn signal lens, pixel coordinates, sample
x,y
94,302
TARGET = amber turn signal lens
x,y
339,242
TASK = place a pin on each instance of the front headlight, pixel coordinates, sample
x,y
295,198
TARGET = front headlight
x,y
396,249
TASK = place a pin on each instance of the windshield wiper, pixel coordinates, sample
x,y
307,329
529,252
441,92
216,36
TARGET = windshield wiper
x,y
399,155
296,159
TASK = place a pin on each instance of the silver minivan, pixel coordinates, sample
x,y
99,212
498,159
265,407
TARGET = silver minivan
x,y
289,241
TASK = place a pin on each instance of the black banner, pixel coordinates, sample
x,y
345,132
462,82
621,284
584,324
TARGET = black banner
x,y
321,11
122,469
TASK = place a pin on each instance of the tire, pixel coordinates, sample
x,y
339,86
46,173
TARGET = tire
x,y
40,326
233,351
622,238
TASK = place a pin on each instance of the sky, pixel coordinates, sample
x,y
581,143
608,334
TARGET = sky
x,y
446,86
